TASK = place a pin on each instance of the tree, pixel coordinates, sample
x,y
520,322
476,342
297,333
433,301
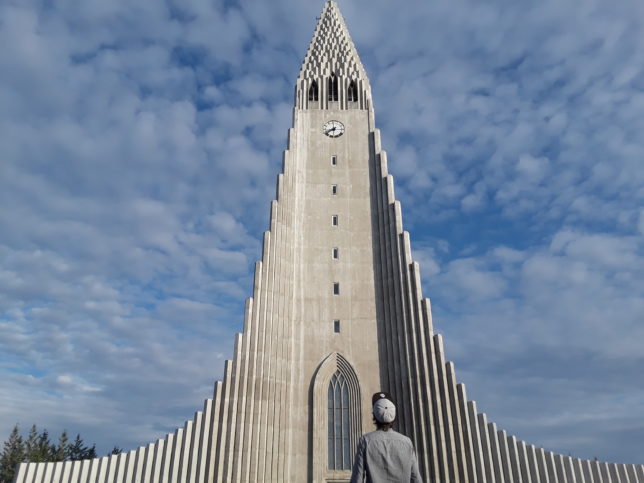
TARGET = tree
x,y
13,453
115,450
32,443
91,453
37,448
44,449
61,452
78,451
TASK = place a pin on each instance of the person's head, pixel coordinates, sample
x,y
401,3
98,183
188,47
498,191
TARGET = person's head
x,y
384,410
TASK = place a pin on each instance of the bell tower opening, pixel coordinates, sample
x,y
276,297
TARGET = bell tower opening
x,y
333,88
352,92
313,91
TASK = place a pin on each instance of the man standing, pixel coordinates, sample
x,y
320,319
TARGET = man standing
x,y
385,455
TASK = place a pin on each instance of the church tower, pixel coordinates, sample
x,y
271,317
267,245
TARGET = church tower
x,y
337,313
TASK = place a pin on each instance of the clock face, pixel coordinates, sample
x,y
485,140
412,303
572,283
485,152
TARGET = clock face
x,y
333,129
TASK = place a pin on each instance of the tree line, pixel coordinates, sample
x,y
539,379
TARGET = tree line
x,y
37,448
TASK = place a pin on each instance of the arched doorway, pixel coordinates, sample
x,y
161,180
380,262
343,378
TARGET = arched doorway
x,y
337,419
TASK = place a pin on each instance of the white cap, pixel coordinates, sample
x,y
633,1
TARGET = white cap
x,y
384,411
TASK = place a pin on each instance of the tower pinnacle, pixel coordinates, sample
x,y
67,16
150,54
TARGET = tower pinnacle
x,y
331,56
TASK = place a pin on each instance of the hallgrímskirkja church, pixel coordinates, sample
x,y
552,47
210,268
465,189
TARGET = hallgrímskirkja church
x,y
337,313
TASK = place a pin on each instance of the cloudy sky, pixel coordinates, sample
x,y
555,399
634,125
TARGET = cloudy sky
x,y
139,145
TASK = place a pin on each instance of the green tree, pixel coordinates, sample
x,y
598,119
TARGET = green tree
x,y
31,444
78,451
37,448
46,450
90,453
62,449
13,452
115,450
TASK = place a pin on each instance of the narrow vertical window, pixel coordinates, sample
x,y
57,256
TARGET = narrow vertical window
x,y
313,91
336,326
352,93
339,455
336,253
334,189
334,160
334,220
333,88
336,288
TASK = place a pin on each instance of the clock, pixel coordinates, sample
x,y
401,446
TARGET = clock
x,y
333,129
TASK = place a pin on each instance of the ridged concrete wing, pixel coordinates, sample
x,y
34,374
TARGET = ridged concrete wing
x,y
337,313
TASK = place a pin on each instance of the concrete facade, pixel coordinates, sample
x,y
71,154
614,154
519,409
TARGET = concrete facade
x,y
336,297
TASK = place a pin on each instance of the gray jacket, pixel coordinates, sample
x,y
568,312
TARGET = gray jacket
x,y
385,456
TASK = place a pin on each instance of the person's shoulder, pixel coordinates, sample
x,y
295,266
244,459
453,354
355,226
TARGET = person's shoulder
x,y
368,436
397,434
399,437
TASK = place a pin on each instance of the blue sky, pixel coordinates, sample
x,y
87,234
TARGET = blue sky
x,y
139,145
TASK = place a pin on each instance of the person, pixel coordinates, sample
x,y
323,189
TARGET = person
x,y
385,455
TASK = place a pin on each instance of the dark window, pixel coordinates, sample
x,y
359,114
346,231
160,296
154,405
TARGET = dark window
x,y
336,326
333,88
352,94
339,423
334,220
334,189
334,160
336,288
336,253
313,91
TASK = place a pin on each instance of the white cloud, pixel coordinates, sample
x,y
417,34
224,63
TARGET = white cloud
x,y
564,316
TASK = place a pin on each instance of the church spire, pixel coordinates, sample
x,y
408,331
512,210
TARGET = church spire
x,y
332,75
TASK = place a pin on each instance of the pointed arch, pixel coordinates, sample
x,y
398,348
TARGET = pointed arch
x,y
333,88
313,91
352,92
336,418
339,418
